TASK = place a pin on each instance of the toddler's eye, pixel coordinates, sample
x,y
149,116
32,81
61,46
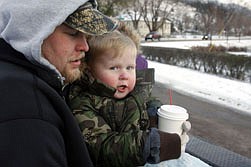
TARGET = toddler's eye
x,y
114,68
130,68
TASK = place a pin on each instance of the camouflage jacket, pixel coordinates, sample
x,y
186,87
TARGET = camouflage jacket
x,y
115,130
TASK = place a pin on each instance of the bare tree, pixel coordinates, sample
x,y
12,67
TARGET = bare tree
x,y
209,15
112,7
207,11
241,20
135,12
225,18
156,12
219,18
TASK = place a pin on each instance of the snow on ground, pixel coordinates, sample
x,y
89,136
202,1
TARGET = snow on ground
x,y
232,93
188,44
228,92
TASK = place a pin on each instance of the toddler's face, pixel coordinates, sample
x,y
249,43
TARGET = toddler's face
x,y
116,71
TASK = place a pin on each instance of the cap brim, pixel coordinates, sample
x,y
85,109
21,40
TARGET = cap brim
x,y
90,21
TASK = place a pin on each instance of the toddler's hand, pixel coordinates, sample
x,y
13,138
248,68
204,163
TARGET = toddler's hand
x,y
186,126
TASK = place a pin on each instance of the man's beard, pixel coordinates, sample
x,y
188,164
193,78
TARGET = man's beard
x,y
72,75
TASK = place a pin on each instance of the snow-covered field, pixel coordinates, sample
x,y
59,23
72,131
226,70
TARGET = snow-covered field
x,y
232,93
182,44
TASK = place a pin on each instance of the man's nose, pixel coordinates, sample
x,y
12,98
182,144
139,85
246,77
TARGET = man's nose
x,y
82,44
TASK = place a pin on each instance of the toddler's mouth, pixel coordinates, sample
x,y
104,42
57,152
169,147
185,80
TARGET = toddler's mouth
x,y
121,88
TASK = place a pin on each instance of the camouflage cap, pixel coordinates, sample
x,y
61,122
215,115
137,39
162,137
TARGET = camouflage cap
x,y
89,20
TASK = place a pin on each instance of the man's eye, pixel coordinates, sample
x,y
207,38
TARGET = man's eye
x,y
74,33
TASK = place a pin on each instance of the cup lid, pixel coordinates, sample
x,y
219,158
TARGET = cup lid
x,y
173,112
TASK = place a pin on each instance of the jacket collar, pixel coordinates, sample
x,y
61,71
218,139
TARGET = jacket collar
x,y
8,54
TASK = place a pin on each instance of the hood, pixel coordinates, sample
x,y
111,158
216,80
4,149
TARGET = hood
x,y
24,24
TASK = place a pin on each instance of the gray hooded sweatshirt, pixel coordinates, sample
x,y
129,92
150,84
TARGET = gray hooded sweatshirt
x,y
37,128
24,24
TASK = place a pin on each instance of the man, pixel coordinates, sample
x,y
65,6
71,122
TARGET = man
x,y
42,43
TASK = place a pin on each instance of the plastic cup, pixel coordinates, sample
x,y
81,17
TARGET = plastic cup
x,y
171,118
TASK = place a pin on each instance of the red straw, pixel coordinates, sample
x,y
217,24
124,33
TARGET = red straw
x,y
170,96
